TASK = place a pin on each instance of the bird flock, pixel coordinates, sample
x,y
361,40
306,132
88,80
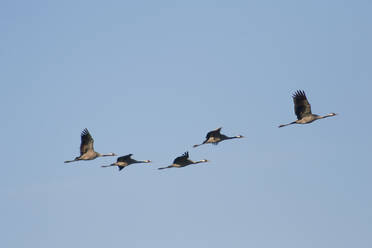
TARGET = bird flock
x,y
302,109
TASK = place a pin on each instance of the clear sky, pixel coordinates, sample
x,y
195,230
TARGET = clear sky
x,y
152,78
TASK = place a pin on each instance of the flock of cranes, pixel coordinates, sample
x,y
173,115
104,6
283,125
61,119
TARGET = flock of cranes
x,y
302,109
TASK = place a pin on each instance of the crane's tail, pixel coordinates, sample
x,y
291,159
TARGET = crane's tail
x,y
162,168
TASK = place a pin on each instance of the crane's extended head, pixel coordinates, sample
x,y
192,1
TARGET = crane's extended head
x,y
202,161
325,116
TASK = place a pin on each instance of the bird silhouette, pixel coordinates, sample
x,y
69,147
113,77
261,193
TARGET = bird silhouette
x,y
87,150
215,136
302,110
126,160
183,161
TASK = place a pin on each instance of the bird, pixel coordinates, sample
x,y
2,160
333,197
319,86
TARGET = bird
x,y
215,137
124,161
183,161
302,110
87,150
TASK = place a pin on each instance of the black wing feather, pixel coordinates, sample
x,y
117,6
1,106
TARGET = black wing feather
x,y
86,142
214,133
181,158
302,107
124,158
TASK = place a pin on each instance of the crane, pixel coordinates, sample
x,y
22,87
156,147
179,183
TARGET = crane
x,y
124,161
87,150
183,161
302,110
215,136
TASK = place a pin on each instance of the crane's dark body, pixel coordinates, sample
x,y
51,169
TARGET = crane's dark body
x,y
124,161
183,161
302,109
86,148
215,136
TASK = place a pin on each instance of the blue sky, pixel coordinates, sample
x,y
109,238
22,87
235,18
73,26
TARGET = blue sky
x,y
152,78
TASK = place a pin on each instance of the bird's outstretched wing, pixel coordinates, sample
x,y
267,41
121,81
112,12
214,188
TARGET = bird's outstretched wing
x,y
86,142
302,107
182,158
214,133
124,158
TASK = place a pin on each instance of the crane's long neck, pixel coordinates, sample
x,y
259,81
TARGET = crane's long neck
x,y
232,137
106,155
200,161
325,116
235,137
284,125
141,161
